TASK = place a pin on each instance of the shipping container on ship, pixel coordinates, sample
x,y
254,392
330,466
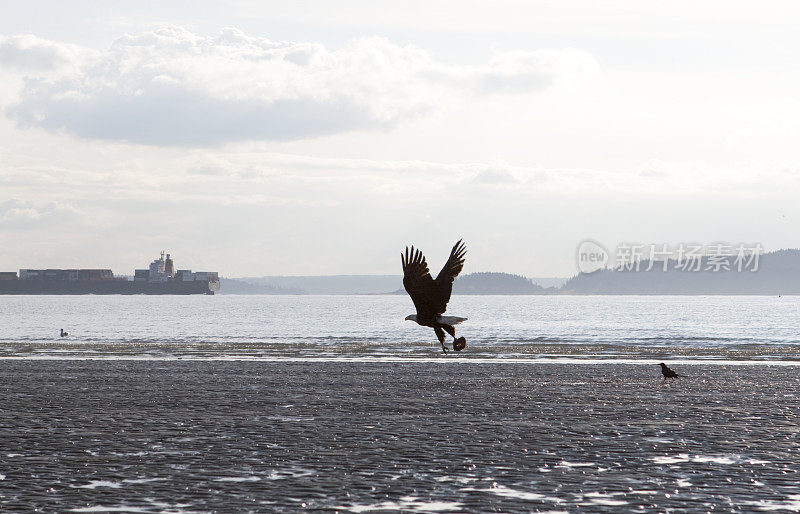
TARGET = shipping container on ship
x,y
159,278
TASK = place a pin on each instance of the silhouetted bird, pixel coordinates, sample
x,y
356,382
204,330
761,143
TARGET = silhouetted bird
x,y
64,334
668,373
430,296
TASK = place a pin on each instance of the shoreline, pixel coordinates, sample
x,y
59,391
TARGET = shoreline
x,y
711,361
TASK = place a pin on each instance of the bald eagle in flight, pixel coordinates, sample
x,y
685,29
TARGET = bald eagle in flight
x,y
430,296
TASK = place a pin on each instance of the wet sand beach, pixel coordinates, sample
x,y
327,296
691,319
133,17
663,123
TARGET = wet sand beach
x,y
187,436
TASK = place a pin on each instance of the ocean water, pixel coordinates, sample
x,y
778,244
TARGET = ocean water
x,y
336,404
373,327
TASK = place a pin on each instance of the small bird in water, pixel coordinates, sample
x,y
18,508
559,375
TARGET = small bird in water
x,y
430,296
64,334
668,373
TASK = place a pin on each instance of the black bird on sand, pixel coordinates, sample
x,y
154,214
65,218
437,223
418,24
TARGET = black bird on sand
x,y
668,373
64,334
430,296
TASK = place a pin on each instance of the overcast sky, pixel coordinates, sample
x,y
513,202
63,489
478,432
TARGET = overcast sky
x,y
265,138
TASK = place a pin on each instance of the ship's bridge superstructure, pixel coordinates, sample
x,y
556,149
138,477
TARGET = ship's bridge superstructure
x,y
158,269
163,270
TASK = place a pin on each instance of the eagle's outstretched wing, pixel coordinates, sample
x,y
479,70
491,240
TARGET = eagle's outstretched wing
x,y
451,269
420,286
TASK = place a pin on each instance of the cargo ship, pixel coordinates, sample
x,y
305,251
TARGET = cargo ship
x,y
160,278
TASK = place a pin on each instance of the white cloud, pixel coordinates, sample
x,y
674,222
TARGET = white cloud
x,y
28,52
523,71
24,215
495,176
173,87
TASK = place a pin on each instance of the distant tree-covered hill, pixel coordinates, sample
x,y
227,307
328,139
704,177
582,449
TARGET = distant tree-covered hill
x,y
496,283
777,273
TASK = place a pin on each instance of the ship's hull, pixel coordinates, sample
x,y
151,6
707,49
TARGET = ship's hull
x,y
107,287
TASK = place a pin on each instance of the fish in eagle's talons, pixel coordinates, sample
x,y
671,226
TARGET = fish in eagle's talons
x,y
430,296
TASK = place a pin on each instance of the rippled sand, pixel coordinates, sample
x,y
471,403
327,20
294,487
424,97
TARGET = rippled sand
x,y
144,436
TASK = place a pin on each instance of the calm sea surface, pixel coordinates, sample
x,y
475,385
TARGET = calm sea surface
x,y
373,327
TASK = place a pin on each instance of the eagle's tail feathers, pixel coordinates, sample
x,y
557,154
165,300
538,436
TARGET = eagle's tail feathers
x,y
451,320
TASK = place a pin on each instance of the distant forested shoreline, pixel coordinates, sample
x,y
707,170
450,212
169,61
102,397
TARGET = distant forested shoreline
x,y
777,273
